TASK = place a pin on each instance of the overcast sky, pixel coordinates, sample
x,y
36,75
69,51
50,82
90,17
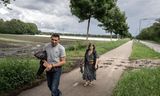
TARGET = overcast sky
x,y
55,15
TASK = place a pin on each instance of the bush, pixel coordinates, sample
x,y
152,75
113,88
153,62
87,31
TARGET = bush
x,y
76,46
15,72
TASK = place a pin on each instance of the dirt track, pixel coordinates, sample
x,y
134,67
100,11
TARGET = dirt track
x,y
111,68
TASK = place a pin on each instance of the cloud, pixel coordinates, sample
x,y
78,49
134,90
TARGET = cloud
x,y
55,15
138,9
54,7
3,11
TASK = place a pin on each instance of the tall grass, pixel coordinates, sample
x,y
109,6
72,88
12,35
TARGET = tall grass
x,y
144,82
16,72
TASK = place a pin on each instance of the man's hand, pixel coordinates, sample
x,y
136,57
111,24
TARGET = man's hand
x,y
47,65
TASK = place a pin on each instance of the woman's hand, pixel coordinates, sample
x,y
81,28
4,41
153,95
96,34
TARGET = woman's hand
x,y
96,66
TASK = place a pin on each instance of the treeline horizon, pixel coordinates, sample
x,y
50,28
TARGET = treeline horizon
x,y
72,34
15,26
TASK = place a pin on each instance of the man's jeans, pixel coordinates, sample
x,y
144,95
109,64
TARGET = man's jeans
x,y
53,79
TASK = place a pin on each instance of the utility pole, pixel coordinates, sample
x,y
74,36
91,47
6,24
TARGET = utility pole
x,y
140,22
142,19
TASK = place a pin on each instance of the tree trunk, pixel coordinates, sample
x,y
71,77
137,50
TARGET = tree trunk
x,y
111,36
88,27
117,36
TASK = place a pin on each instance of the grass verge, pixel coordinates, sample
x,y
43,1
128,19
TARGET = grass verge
x,y
141,51
140,82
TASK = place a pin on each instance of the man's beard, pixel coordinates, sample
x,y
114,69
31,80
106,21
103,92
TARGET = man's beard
x,y
54,44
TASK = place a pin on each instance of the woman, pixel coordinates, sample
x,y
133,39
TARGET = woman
x,y
90,64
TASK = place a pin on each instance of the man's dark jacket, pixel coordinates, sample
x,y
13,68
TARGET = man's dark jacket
x,y
42,55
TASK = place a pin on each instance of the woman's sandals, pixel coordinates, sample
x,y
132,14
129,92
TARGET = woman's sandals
x,y
88,83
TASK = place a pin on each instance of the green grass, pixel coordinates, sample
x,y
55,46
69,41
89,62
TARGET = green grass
x,y
141,51
16,72
140,82
103,47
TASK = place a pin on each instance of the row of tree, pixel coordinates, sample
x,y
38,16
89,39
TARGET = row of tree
x,y
105,11
15,26
151,33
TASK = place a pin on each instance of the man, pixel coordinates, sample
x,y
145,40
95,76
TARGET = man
x,y
55,59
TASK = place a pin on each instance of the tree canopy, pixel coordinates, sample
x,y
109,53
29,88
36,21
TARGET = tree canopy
x,y
151,33
105,11
15,26
87,9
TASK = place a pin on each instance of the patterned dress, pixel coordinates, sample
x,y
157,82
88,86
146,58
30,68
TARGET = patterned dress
x,y
89,73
